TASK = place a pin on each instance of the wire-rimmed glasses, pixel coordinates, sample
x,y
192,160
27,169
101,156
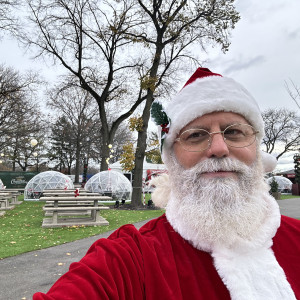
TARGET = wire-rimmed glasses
x,y
235,135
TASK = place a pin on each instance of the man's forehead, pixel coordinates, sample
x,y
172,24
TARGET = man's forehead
x,y
217,117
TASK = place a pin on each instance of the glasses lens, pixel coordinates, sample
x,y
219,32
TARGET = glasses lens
x,y
239,135
195,140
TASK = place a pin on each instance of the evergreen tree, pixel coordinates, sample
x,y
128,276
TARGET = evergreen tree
x,y
297,167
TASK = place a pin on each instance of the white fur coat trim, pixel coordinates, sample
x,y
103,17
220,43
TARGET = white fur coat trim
x,y
250,269
253,276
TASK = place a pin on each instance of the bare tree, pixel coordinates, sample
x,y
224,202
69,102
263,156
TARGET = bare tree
x,y
168,29
16,98
89,40
282,128
8,21
293,91
78,109
62,151
76,132
29,124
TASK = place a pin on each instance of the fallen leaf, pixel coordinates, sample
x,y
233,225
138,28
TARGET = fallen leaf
x,y
68,253
60,264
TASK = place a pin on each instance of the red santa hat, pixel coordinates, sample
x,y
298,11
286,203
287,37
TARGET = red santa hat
x,y
203,93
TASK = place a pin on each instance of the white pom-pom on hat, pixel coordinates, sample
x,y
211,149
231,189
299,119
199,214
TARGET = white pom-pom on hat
x,y
160,196
269,161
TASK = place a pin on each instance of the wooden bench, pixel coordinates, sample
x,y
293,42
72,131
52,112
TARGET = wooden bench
x,y
94,219
73,206
81,203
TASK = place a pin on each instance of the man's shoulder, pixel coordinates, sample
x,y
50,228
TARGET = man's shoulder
x,y
129,239
149,229
286,247
288,232
289,224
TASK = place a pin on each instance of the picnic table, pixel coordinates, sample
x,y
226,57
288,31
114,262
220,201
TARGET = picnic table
x,y
72,209
13,195
4,202
8,199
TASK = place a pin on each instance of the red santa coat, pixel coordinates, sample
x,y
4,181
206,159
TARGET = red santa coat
x,y
157,263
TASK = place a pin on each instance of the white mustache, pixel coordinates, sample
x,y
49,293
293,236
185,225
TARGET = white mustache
x,y
220,164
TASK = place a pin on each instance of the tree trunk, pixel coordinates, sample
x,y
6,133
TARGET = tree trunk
x,y
104,155
136,199
137,184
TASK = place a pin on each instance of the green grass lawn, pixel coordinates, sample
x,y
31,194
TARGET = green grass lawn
x,y
282,197
21,228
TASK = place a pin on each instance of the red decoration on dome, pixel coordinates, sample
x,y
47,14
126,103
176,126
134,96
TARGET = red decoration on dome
x,y
76,192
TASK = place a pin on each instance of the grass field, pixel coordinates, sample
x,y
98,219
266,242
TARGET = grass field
x,y
282,197
21,228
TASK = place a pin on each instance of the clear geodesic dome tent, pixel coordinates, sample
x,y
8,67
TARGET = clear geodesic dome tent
x,y
284,184
46,180
110,183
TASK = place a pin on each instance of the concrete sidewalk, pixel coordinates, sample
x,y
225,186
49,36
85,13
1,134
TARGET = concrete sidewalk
x,y
23,275
290,207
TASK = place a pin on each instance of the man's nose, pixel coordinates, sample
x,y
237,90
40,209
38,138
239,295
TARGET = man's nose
x,y
218,147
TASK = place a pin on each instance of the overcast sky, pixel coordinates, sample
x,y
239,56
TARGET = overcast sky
x,y
264,53
264,50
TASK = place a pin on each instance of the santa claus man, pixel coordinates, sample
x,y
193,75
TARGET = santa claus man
x,y
222,236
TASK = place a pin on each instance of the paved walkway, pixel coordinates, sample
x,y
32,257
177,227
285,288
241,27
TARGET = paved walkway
x,y
290,207
23,275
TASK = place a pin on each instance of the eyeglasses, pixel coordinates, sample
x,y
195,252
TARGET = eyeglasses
x,y
236,135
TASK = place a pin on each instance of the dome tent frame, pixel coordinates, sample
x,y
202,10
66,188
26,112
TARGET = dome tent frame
x,y
110,183
46,180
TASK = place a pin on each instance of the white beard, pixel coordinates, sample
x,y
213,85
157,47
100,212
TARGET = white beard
x,y
219,211
233,219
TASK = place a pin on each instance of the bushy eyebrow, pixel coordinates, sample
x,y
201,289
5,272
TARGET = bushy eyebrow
x,y
222,127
